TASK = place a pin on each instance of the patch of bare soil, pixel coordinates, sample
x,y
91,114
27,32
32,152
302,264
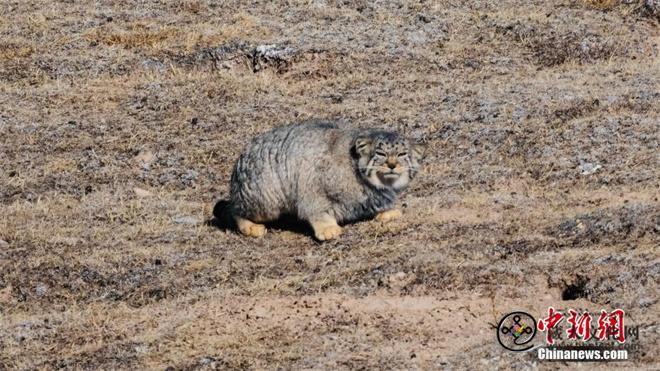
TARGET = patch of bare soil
x,y
120,123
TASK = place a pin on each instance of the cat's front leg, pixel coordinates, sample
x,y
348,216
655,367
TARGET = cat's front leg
x,y
325,227
388,215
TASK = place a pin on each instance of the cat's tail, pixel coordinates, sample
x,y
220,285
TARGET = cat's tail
x,y
222,215
221,209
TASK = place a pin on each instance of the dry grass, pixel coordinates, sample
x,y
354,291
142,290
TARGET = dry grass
x,y
603,4
120,123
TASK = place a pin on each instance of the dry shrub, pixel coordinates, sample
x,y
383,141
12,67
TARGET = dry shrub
x,y
572,46
602,4
13,50
646,8
136,36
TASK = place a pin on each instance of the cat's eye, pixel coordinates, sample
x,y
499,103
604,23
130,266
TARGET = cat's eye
x,y
403,154
380,154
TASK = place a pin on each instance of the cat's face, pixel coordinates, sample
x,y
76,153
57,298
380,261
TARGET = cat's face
x,y
388,160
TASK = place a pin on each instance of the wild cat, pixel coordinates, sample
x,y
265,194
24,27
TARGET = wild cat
x,y
322,174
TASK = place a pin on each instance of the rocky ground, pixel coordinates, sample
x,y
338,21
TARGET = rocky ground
x,y
120,122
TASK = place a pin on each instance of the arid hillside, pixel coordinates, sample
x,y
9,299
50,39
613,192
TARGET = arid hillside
x,y
120,122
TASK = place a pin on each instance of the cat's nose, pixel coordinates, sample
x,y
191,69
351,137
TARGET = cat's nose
x,y
391,165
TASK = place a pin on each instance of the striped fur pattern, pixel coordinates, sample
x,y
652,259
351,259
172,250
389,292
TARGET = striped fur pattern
x,y
320,173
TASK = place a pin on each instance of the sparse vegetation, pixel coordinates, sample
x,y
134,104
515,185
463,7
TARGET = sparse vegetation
x,y
120,123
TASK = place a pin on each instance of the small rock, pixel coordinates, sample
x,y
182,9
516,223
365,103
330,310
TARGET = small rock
x,y
154,65
399,276
4,243
189,177
166,178
207,361
271,54
142,192
141,349
589,168
183,219
145,159
41,289
273,51
646,302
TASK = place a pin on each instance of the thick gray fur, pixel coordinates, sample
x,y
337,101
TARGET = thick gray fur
x,y
317,168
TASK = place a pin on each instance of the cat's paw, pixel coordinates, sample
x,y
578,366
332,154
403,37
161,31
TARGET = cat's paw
x,y
328,232
250,229
389,215
255,230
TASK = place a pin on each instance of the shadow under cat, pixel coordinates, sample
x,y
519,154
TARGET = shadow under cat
x,y
222,220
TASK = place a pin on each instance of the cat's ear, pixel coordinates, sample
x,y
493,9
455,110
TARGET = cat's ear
x,y
363,146
419,149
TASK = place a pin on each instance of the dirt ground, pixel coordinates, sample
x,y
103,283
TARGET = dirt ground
x,y
120,122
